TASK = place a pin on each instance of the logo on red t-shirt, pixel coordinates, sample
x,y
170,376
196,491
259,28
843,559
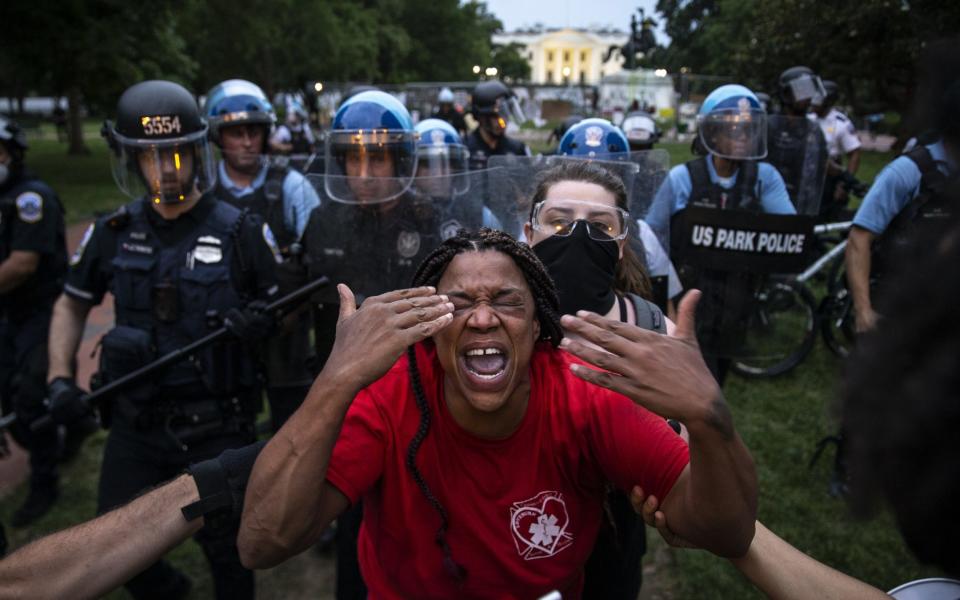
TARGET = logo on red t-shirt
x,y
539,525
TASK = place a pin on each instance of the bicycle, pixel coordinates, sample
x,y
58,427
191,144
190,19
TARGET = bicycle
x,y
785,318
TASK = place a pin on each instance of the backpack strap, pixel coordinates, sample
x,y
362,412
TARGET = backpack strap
x,y
649,315
700,184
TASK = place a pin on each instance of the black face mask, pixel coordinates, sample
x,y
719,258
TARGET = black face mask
x,y
582,268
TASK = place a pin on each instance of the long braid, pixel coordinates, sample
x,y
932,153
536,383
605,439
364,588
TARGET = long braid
x,y
547,304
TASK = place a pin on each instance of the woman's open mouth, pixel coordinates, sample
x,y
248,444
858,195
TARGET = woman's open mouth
x,y
484,366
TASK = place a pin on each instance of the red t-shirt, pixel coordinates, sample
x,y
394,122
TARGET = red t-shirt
x,y
523,511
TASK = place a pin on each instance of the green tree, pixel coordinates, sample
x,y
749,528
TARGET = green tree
x,y
510,61
91,50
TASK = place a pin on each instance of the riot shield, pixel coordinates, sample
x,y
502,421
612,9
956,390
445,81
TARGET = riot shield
x,y
376,247
798,150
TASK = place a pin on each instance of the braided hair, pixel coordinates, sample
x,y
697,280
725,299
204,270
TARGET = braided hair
x,y
547,304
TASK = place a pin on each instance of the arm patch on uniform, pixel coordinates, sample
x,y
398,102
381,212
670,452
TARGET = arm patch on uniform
x,y
271,243
78,253
30,207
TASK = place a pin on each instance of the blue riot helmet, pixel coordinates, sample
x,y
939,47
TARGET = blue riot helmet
x,y
445,96
371,152
159,146
238,102
441,158
594,138
732,124
641,130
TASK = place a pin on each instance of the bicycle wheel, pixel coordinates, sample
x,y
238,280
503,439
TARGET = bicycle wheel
x,y
837,322
780,332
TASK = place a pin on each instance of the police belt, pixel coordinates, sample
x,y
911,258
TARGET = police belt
x,y
734,240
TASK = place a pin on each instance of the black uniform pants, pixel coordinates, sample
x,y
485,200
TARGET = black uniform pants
x,y
288,356
23,385
135,461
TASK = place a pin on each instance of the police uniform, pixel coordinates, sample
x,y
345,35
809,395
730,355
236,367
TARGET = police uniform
x,y
908,193
172,281
754,187
31,220
284,199
840,134
480,151
300,137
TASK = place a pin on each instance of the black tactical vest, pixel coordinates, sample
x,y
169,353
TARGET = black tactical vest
x,y
930,209
727,295
177,294
266,201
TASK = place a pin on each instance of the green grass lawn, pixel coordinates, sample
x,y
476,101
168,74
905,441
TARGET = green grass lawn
x,y
780,420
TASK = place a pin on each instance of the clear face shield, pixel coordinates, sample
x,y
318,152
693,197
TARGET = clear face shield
x,y
561,217
807,88
167,171
441,170
369,166
507,110
734,133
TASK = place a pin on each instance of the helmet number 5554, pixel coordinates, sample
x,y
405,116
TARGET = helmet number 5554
x,y
160,125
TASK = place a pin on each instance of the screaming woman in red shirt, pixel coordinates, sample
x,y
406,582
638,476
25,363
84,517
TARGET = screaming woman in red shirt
x,y
481,451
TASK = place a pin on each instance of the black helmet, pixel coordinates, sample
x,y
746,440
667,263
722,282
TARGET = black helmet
x,y
798,85
13,138
159,126
764,100
485,96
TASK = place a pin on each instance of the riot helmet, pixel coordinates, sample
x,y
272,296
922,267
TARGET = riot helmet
x,y
494,105
593,138
371,152
358,89
732,124
641,130
831,93
799,88
445,96
14,141
442,159
231,108
159,145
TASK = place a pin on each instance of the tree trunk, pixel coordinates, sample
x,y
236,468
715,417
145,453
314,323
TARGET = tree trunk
x,y
75,124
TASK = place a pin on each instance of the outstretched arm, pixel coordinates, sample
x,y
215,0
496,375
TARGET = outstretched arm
x,y
288,503
90,559
777,569
714,501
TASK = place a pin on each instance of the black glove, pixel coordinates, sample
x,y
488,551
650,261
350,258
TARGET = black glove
x,y
291,276
222,482
66,401
250,324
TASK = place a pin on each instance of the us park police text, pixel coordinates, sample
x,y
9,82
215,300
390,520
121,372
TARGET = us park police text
x,y
723,238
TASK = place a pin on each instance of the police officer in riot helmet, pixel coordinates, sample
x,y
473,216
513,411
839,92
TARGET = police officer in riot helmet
x,y
494,106
908,198
179,264
241,119
728,175
447,111
799,88
371,163
33,262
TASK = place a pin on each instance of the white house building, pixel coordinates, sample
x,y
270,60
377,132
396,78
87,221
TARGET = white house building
x,y
567,56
